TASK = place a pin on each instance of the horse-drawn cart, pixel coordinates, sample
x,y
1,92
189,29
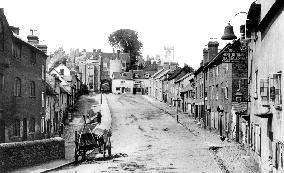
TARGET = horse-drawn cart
x,y
92,137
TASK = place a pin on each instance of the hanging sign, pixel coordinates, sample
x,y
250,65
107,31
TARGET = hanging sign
x,y
233,56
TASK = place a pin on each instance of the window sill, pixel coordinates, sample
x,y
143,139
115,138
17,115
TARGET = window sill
x,y
32,97
17,96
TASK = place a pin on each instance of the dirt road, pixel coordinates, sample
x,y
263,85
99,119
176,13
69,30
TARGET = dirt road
x,y
146,139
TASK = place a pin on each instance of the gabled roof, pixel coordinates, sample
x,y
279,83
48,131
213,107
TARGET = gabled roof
x,y
175,73
151,67
28,44
111,56
218,58
163,73
157,73
188,75
185,70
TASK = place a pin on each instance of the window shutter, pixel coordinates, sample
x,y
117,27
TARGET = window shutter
x,y
275,89
263,88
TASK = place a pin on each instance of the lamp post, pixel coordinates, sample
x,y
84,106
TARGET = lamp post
x,y
101,92
177,100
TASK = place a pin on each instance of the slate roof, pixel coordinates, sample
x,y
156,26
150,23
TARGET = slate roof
x,y
186,70
189,75
175,73
163,73
28,44
151,67
157,73
123,75
111,56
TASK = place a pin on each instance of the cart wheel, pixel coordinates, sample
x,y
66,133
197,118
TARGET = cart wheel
x,y
104,150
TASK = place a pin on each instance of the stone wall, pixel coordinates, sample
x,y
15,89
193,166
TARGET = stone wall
x,y
19,154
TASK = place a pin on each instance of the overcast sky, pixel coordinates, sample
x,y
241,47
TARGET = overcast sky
x,y
185,24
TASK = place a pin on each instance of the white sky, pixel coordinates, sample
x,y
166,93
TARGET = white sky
x,y
186,24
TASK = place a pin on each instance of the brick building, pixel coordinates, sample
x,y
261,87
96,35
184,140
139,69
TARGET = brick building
x,y
22,86
199,109
225,91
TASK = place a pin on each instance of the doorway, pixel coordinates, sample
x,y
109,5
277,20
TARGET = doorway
x,y
2,131
25,132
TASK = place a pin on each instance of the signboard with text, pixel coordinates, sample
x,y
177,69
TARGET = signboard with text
x,y
233,56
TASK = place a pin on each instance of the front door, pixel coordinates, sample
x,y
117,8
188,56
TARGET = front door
x,y
25,133
2,131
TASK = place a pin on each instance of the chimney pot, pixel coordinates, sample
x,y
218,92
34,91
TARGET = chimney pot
x,y
33,39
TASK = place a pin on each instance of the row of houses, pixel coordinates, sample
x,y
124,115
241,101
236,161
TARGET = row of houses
x,y
236,91
34,101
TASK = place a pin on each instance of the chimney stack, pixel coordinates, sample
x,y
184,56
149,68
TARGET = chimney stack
x,y
212,49
42,48
16,30
2,10
166,66
205,56
33,39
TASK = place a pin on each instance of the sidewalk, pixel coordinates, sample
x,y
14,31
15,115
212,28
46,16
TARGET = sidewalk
x,y
230,156
84,105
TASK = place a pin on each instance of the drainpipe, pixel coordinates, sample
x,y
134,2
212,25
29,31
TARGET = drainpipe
x,y
204,116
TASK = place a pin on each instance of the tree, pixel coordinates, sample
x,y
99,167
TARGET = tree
x,y
58,57
127,41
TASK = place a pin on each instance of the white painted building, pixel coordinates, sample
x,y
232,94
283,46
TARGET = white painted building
x,y
266,63
122,82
